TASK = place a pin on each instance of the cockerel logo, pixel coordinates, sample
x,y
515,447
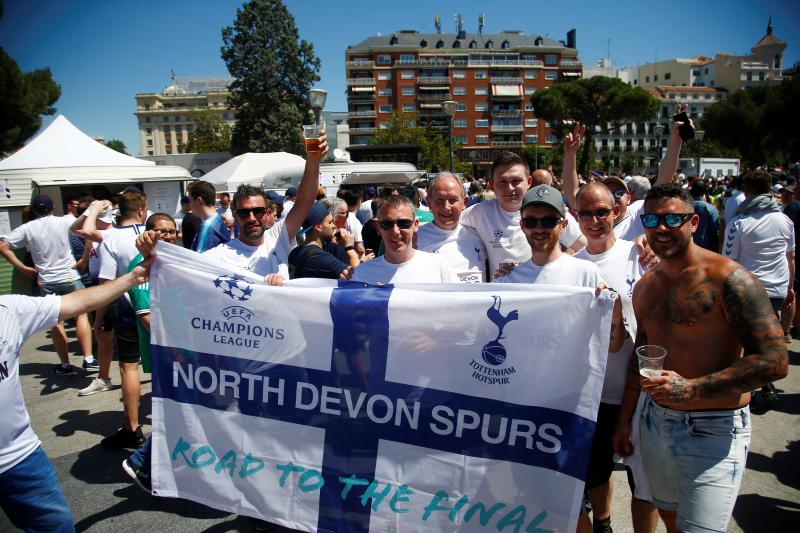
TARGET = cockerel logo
x,y
493,352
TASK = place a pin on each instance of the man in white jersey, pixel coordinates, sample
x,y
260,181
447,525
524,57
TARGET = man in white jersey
x,y
116,252
30,494
400,262
618,261
497,221
47,239
460,246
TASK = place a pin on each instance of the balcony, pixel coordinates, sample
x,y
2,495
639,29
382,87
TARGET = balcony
x,y
433,80
504,144
361,98
360,82
359,64
433,62
363,131
570,63
435,97
507,80
474,62
504,128
504,114
362,114
437,112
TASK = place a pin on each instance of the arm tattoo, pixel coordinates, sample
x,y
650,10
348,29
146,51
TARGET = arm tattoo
x,y
765,358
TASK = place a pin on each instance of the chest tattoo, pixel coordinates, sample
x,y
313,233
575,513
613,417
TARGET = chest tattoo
x,y
690,298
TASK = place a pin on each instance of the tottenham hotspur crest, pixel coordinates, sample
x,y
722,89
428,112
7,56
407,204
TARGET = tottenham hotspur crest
x,y
493,352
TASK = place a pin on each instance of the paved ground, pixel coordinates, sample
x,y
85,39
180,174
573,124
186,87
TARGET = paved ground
x,y
102,498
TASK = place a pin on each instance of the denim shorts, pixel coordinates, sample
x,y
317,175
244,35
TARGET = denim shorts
x,y
694,461
60,287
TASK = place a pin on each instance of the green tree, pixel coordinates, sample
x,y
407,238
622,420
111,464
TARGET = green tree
x,y
116,144
602,104
273,69
403,128
210,132
25,97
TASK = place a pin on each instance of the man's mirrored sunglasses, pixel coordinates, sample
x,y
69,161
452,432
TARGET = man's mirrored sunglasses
x,y
245,212
402,223
546,222
670,220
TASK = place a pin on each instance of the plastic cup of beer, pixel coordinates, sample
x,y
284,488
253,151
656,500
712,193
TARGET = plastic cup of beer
x,y
311,133
651,360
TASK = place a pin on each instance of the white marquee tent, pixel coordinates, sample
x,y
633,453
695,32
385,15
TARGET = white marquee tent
x,y
276,171
63,155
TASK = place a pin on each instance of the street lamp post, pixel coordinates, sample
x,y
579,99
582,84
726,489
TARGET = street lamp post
x,y
316,98
659,129
699,134
449,108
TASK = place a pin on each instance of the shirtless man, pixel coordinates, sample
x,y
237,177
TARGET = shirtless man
x,y
722,341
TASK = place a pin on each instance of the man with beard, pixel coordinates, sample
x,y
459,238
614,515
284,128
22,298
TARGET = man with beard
x,y
722,340
314,259
461,247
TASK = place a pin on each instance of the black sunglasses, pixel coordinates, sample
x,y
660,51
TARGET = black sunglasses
x,y
245,212
670,220
402,223
546,222
599,213
167,231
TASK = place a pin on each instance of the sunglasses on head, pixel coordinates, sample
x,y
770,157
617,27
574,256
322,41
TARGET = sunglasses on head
x,y
402,223
546,222
245,212
619,193
597,213
670,220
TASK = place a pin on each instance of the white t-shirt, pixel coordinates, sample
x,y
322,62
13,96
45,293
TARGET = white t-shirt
x,y
271,257
631,226
354,226
47,239
364,212
621,270
571,233
566,270
118,250
423,267
94,258
732,204
759,242
461,247
20,317
287,206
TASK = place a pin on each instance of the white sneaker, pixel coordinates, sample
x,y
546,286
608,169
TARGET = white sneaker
x,y
97,385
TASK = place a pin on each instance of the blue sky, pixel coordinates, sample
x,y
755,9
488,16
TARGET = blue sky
x,y
103,52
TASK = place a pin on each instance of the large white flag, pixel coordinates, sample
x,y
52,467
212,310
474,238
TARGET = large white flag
x,y
345,407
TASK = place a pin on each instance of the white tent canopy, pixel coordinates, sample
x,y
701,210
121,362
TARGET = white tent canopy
x,y
64,155
276,171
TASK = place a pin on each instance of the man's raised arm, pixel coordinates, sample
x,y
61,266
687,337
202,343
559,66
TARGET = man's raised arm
x,y
667,167
572,143
307,191
85,226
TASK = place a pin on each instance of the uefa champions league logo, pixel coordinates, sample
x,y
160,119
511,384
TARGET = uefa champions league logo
x,y
497,234
235,286
493,352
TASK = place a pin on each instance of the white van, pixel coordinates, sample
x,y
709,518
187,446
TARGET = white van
x,y
332,174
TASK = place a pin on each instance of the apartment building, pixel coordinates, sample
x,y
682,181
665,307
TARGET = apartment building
x,y
490,76
163,119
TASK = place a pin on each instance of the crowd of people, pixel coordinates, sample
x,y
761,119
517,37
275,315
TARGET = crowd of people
x,y
702,267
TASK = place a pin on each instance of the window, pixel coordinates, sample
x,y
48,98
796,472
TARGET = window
x,y
149,142
551,59
530,90
461,107
167,140
189,129
149,131
647,79
668,76
385,108
149,152
481,139
407,75
655,78
482,123
147,120
460,123
481,75
529,107
408,91
227,116
384,74
384,59
546,123
166,129
551,75
147,106
407,57
550,139
179,141
706,71
460,139
481,107
531,139
696,72
459,74
386,91
459,91
481,91
409,108
531,122
531,75
761,76
383,124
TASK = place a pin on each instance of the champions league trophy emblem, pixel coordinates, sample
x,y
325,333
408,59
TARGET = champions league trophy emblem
x,y
493,352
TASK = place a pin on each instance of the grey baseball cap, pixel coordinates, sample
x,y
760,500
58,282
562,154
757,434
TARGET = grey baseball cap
x,y
544,195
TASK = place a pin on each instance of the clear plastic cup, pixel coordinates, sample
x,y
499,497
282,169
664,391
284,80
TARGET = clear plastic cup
x,y
311,133
651,360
